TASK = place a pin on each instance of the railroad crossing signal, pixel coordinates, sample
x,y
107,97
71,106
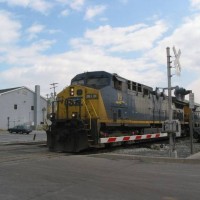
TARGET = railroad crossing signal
x,y
177,64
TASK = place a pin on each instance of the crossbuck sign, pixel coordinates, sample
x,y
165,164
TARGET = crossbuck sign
x,y
176,61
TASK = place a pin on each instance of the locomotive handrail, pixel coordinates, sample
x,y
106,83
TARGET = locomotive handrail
x,y
93,109
88,113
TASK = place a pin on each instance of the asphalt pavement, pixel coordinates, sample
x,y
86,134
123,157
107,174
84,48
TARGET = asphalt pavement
x,y
84,177
34,136
29,171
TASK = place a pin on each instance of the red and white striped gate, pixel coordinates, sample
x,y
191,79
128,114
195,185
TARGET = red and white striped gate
x,y
132,138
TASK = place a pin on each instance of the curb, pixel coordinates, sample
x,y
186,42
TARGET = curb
x,y
148,159
23,143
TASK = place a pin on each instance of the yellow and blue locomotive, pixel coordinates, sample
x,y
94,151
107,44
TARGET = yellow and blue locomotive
x,y
100,107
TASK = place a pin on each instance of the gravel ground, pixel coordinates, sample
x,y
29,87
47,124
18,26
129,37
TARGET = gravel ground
x,y
182,147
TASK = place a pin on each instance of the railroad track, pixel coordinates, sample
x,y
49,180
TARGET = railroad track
x,y
147,148
21,152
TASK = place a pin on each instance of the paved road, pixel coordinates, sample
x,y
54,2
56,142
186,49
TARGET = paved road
x,y
6,137
29,171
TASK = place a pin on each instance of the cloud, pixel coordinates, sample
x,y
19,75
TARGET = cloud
x,y
54,31
73,4
93,11
23,3
31,68
65,13
185,37
77,4
26,56
152,41
42,6
34,30
30,65
123,39
195,4
145,44
10,29
195,89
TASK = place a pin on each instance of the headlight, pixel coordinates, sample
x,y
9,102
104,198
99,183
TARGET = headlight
x,y
74,115
71,91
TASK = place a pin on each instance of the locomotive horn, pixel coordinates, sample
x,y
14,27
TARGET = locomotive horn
x,y
180,93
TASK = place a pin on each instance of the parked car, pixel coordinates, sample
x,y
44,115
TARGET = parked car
x,y
20,129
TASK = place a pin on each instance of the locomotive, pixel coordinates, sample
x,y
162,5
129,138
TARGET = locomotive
x,y
100,108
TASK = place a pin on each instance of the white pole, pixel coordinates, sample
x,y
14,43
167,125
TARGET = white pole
x,y
169,100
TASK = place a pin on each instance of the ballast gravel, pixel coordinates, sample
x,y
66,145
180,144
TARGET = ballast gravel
x,y
182,149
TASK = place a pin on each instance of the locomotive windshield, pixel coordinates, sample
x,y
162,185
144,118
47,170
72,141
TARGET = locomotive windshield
x,y
78,82
94,80
97,82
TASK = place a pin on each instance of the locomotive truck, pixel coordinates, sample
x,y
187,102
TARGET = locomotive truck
x,y
100,108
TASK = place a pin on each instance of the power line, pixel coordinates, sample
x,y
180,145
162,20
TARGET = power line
x,y
54,90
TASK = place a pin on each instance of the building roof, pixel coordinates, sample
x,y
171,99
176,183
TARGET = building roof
x,y
5,91
8,90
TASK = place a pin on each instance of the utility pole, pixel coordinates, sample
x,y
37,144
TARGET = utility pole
x,y
169,100
191,105
53,103
54,90
171,131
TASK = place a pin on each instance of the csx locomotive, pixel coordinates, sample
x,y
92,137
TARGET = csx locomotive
x,y
100,107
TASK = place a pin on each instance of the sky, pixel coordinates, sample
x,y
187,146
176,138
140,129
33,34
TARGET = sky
x,y
50,41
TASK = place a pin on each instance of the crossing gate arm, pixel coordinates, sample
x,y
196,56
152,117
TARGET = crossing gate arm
x,y
132,138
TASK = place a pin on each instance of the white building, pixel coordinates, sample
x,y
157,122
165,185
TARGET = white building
x,y
21,105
